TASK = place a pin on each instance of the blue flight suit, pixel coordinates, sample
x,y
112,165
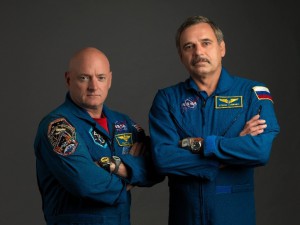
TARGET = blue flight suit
x,y
216,188
74,189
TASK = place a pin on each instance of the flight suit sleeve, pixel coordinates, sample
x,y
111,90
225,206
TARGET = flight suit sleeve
x,y
65,154
246,150
141,168
169,158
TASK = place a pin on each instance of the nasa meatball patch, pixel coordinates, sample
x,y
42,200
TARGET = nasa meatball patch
x,y
62,137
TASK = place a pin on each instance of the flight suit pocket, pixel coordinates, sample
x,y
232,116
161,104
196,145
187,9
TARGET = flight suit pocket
x,y
226,189
183,123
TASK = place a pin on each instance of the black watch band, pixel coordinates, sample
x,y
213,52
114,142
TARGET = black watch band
x,y
117,161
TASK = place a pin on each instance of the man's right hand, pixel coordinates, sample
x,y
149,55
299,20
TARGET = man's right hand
x,y
254,126
138,149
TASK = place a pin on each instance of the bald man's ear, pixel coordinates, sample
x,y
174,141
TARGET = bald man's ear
x,y
110,79
67,78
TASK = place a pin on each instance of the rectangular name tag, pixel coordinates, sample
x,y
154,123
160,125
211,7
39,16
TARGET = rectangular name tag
x,y
223,102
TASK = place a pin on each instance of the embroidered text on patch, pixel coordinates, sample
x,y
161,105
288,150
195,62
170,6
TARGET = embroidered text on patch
x,y
189,103
97,138
124,139
223,102
121,126
62,137
262,93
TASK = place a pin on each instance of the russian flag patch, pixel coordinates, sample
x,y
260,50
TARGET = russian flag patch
x,y
262,93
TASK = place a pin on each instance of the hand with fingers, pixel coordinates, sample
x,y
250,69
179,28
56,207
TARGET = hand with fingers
x,y
254,126
138,149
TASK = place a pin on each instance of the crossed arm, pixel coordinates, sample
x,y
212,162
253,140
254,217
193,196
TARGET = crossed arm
x,y
254,126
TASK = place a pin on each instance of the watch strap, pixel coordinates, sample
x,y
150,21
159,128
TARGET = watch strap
x,y
186,142
117,161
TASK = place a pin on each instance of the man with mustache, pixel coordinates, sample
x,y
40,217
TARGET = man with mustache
x,y
88,156
199,137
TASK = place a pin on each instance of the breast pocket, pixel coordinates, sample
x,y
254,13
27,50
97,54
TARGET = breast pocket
x,y
230,121
186,120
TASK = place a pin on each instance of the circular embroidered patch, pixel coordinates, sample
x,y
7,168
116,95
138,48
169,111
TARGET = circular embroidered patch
x,y
62,137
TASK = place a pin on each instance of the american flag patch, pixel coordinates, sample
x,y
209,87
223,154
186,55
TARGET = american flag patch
x,y
262,93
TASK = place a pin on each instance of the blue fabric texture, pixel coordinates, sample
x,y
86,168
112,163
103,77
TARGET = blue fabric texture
x,y
74,189
216,187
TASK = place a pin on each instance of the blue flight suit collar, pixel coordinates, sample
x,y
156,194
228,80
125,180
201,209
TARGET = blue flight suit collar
x,y
224,84
83,114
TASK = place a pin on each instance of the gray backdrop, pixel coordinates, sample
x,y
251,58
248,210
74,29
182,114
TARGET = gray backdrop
x,y
38,37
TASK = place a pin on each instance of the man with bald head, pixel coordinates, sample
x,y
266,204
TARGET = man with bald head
x,y
89,79
88,157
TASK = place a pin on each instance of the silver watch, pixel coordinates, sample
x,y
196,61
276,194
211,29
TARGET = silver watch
x,y
117,161
194,144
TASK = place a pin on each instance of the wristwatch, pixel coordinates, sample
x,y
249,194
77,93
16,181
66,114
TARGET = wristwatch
x,y
117,161
105,162
194,144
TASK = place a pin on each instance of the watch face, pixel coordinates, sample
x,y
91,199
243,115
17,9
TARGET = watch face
x,y
105,163
196,145
105,160
116,159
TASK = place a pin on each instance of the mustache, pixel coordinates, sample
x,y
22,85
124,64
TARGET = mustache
x,y
199,59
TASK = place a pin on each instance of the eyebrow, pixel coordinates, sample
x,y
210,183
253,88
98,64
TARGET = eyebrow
x,y
90,75
201,40
187,43
207,39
